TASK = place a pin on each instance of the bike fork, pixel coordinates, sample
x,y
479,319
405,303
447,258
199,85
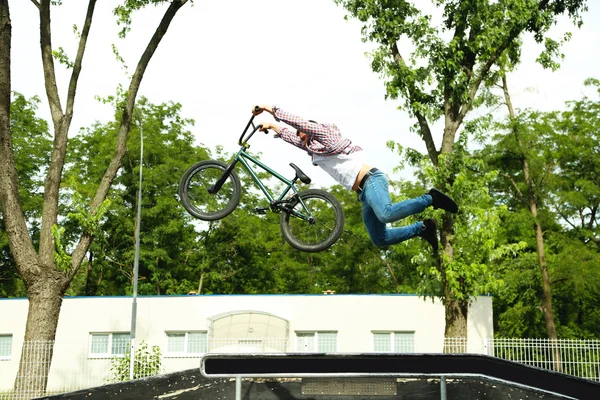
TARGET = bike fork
x,y
291,211
217,186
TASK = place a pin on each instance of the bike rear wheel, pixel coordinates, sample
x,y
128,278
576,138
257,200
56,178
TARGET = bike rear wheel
x,y
319,233
194,194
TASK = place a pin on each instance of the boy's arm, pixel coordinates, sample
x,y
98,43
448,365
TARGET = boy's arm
x,y
291,137
284,133
310,128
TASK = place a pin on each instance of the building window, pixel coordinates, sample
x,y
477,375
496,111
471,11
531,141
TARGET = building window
x,y
394,342
109,344
186,343
322,342
5,347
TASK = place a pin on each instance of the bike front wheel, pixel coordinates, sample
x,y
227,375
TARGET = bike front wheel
x,y
196,198
313,221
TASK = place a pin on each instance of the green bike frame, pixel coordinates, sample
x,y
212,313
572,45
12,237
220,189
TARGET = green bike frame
x,y
275,204
243,157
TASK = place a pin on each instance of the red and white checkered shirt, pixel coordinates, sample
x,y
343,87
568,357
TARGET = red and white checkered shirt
x,y
325,139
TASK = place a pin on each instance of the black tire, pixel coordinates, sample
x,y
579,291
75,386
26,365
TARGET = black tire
x,y
320,234
194,195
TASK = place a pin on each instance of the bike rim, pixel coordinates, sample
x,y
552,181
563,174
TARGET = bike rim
x,y
323,226
199,197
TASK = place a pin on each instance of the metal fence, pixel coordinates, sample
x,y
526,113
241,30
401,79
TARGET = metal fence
x,y
579,358
73,369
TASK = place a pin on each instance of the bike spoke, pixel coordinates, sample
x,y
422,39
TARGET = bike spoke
x,y
198,193
324,221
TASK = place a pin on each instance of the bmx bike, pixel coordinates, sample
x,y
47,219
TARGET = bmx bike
x,y
311,220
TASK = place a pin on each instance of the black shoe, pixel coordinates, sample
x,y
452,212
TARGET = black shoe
x,y
440,200
430,233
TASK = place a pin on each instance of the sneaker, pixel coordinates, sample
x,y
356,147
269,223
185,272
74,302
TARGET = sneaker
x,y
440,200
430,233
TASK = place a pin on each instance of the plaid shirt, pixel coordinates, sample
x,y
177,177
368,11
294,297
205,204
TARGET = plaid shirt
x,y
325,139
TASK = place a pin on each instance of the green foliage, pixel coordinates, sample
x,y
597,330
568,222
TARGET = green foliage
x,y
62,57
61,256
561,149
576,278
118,57
450,60
516,304
475,231
168,236
125,11
76,32
88,222
147,362
552,52
577,134
409,156
31,147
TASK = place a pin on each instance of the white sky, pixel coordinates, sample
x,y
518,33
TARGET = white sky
x,y
221,57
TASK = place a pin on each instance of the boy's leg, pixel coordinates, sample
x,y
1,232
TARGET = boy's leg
x,y
381,235
376,194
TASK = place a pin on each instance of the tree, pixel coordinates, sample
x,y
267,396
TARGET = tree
x,y
548,163
577,202
441,78
527,158
46,275
537,168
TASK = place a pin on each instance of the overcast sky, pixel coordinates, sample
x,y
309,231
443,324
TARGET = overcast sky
x,y
220,57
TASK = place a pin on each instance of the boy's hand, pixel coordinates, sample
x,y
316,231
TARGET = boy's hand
x,y
266,126
257,109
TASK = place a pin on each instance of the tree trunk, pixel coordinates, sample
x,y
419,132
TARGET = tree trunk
x,y
455,333
546,305
45,298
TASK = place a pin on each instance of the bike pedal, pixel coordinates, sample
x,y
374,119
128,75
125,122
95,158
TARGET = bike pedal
x,y
261,210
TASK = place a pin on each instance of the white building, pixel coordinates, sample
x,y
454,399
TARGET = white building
x,y
92,330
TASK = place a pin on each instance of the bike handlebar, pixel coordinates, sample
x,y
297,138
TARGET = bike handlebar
x,y
244,139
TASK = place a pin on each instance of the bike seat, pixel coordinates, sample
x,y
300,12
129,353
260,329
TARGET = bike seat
x,y
299,174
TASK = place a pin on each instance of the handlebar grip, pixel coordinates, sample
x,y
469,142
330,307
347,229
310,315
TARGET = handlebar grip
x,y
259,128
256,108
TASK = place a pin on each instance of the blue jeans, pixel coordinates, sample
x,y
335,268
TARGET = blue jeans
x,y
378,210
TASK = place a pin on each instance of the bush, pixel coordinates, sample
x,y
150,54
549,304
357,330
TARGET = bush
x,y
146,363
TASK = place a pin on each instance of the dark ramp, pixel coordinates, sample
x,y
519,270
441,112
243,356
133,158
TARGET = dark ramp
x,y
425,385
190,385
386,364
177,385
